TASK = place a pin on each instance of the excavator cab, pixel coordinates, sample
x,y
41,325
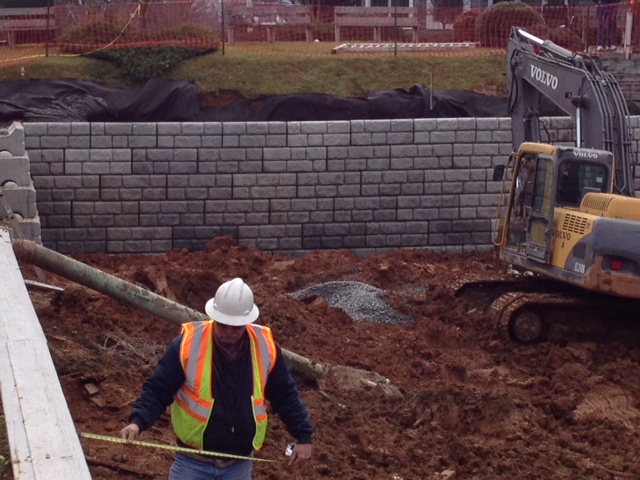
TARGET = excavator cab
x,y
543,183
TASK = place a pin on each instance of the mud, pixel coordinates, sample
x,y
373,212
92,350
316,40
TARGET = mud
x,y
472,406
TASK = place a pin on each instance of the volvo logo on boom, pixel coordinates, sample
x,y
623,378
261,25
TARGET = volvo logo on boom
x,y
543,77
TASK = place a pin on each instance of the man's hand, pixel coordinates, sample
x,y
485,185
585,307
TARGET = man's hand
x,y
301,452
130,432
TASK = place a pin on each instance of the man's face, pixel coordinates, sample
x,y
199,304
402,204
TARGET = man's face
x,y
227,333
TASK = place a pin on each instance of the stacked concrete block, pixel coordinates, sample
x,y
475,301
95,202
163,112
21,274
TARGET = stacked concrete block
x,y
290,187
20,213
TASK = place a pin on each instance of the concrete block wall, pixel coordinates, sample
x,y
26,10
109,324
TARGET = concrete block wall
x,y
291,187
19,212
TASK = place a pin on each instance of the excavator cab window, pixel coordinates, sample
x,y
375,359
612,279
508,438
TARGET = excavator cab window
x,y
530,215
539,223
523,198
576,178
542,195
524,183
568,185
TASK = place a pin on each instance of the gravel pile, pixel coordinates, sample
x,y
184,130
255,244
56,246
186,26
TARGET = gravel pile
x,y
359,300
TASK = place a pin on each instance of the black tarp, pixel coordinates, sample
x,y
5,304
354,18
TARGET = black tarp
x,y
161,100
84,101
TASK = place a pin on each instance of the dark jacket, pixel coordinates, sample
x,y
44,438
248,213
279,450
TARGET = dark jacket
x,y
231,426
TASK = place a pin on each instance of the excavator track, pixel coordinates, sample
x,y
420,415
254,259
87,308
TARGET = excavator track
x,y
535,309
528,318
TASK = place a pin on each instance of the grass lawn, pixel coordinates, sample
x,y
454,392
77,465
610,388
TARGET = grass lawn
x,y
255,69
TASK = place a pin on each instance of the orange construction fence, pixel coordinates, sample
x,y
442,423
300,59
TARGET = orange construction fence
x,y
73,29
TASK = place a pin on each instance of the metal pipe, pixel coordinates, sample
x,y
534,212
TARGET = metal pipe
x,y
125,292
30,252
578,126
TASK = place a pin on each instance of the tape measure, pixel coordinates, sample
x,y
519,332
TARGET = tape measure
x,y
173,448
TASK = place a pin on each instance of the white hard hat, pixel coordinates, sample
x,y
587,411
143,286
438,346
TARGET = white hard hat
x,y
233,304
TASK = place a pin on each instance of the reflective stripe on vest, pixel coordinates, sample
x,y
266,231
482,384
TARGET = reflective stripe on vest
x,y
195,397
194,401
263,354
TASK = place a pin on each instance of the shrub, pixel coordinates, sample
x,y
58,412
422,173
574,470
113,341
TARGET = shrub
x,y
540,30
88,35
139,56
566,38
140,64
464,26
559,35
494,23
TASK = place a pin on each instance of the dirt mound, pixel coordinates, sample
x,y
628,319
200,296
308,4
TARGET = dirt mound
x,y
471,406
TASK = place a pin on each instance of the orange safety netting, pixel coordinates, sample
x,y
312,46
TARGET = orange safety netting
x,y
284,29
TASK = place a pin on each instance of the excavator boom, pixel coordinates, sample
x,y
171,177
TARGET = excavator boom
x,y
539,70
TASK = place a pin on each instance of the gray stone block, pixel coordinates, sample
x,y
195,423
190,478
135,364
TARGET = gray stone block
x,y
12,140
22,200
14,169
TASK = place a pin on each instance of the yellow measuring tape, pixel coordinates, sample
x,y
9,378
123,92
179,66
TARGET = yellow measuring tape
x,y
173,448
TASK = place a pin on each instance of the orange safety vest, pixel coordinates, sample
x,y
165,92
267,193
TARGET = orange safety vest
x,y
193,403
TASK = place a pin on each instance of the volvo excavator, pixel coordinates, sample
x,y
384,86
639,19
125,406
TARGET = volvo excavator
x,y
570,221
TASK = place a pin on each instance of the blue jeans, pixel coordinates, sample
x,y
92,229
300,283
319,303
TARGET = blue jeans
x,y
607,24
186,468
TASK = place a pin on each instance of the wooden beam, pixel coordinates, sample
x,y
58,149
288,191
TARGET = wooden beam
x,y
42,437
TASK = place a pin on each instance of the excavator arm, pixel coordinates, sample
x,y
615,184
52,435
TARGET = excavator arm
x,y
539,69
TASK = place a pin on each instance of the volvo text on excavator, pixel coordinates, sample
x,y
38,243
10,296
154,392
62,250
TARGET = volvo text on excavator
x,y
570,215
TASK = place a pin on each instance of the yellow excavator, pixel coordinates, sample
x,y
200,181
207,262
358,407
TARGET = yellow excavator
x,y
571,218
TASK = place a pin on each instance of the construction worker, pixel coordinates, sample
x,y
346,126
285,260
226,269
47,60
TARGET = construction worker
x,y
217,376
607,33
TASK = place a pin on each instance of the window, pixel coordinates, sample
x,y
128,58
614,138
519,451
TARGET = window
x,y
576,178
543,187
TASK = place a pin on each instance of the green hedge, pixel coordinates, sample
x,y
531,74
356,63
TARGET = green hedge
x,y
494,23
139,56
140,64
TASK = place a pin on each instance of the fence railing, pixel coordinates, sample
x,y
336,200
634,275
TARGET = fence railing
x,y
82,29
34,23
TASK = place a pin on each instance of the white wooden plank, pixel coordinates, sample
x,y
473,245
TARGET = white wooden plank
x,y
44,286
42,437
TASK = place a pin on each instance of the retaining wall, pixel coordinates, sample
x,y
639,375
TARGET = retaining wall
x,y
17,192
364,185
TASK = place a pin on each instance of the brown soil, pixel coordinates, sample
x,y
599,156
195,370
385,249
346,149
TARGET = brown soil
x,y
472,406
218,99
